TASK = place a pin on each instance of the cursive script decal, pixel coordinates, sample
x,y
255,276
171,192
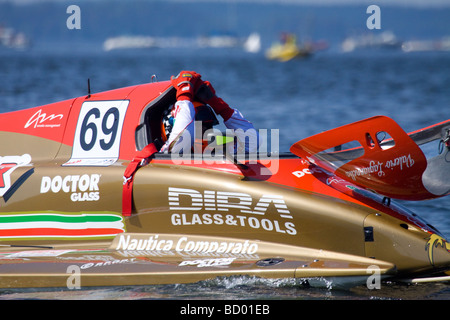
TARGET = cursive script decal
x,y
39,118
378,167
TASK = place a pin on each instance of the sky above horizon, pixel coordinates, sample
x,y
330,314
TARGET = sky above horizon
x,y
407,3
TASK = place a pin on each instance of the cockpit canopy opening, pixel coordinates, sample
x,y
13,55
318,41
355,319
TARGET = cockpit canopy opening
x,y
155,119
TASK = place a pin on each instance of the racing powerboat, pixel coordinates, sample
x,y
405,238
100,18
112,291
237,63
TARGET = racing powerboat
x,y
288,48
87,199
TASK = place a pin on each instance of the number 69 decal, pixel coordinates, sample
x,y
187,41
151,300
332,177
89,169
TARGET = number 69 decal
x,y
98,132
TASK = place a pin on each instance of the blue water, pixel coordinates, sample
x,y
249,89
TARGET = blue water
x,y
300,98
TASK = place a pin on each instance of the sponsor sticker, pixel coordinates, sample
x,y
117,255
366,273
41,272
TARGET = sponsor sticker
x,y
202,263
42,120
185,245
210,207
81,187
7,165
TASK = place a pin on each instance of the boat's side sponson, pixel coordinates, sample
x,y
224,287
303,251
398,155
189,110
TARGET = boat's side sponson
x,y
141,259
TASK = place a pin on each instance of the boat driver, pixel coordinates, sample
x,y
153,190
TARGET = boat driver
x,y
190,88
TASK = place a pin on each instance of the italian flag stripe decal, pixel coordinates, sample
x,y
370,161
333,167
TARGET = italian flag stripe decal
x,y
52,225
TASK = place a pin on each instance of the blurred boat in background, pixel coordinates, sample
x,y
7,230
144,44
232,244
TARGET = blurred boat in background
x,y
288,49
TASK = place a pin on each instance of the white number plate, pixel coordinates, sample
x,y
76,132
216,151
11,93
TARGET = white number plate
x,y
98,133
